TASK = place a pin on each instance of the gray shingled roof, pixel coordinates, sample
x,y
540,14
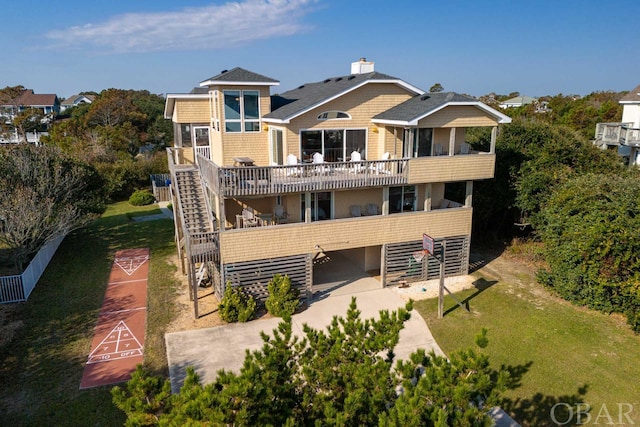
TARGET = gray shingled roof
x,y
199,90
422,105
238,74
632,96
293,102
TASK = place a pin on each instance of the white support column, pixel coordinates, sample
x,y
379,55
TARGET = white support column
x,y
468,200
385,200
307,207
452,141
494,135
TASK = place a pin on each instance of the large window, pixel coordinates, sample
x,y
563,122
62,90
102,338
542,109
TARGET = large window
x,y
336,145
241,111
402,199
418,142
185,135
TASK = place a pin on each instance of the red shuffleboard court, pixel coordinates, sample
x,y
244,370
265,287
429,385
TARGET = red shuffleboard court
x,y
118,342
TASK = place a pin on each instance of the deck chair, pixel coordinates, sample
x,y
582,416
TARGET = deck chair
x,y
318,160
280,215
249,219
371,209
294,169
382,167
356,157
355,211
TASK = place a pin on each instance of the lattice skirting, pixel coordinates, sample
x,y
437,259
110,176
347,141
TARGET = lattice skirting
x,y
400,264
253,276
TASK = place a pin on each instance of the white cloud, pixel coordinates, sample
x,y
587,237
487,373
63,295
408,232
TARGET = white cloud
x,y
210,27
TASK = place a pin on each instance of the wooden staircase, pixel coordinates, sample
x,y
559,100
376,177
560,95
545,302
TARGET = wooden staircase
x,y
194,210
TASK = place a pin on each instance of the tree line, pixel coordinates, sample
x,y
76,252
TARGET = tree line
x,y
93,154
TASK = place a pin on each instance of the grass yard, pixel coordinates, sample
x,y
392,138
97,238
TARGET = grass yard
x,y
41,367
557,353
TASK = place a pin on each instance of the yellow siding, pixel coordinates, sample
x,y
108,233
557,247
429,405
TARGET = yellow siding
x,y
451,168
292,239
192,111
457,116
343,200
254,145
361,104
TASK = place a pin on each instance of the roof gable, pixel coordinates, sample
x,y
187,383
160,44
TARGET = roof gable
x,y
410,112
239,76
28,98
293,103
632,97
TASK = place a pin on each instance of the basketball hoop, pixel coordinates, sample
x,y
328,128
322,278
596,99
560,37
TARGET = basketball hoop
x,y
419,255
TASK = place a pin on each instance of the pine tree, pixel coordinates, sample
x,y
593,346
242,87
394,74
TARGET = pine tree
x,y
343,375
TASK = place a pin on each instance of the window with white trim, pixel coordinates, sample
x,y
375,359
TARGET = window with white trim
x,y
241,111
329,115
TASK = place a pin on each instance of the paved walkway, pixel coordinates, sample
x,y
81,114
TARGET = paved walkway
x,y
209,350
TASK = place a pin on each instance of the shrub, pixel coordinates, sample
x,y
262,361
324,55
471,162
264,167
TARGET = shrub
x,y
236,306
283,299
141,198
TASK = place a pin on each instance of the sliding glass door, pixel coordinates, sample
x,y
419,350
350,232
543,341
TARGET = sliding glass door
x,y
336,145
320,206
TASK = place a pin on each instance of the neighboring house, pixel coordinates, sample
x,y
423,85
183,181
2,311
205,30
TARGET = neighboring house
x,y
518,101
363,164
49,104
75,100
624,136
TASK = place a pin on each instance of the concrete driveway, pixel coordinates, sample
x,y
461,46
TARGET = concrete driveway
x,y
336,281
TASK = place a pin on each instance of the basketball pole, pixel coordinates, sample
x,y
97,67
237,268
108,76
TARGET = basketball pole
x,y
441,287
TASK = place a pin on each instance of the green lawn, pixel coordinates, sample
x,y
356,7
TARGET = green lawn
x,y
41,368
557,353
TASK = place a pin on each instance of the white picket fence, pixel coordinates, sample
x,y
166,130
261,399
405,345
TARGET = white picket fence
x,y
18,287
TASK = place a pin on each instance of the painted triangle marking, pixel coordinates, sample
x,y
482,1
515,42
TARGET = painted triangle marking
x,y
120,343
130,264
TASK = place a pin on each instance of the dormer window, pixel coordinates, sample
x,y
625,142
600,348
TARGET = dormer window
x,y
330,115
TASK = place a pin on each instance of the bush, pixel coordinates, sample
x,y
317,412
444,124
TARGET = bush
x,y
141,198
283,299
236,306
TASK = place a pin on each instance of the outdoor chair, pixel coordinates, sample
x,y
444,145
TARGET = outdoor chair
x,y
438,150
371,209
249,219
356,157
464,148
318,160
294,169
280,215
382,167
355,211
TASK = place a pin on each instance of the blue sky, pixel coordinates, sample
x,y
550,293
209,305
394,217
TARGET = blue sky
x,y
542,47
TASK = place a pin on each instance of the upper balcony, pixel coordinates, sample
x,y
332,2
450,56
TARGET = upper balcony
x,y
617,134
239,181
